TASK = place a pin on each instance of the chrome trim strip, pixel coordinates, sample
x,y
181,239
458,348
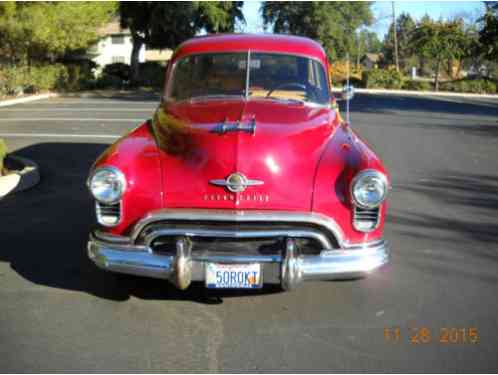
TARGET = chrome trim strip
x,y
248,73
114,238
240,216
238,259
226,233
98,213
355,220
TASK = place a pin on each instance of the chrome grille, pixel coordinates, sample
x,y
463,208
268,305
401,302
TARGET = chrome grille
x,y
202,246
366,220
108,215
241,238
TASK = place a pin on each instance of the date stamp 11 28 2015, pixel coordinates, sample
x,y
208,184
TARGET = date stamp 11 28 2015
x,y
426,335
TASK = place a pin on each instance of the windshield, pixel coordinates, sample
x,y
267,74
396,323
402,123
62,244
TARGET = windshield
x,y
271,76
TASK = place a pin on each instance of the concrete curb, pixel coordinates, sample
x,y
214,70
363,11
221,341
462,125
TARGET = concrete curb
x,y
422,93
26,99
28,176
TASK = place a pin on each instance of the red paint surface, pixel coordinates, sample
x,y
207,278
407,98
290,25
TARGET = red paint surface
x,y
304,156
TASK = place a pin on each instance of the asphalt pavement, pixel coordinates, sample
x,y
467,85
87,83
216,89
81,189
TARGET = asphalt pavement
x,y
60,313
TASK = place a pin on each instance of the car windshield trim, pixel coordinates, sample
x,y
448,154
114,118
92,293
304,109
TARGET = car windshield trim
x,y
246,93
214,97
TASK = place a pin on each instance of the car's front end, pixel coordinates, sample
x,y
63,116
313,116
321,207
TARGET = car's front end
x,y
258,183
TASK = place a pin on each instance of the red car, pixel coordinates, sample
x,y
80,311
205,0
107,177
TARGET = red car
x,y
245,175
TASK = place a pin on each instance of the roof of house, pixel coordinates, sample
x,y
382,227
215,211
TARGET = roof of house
x,y
112,28
294,45
158,55
373,57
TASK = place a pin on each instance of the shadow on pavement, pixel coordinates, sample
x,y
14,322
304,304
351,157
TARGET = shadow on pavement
x,y
469,207
136,95
44,233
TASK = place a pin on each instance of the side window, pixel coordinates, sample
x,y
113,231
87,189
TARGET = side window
x,y
118,59
117,39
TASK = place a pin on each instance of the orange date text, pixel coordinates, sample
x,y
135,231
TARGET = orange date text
x,y
426,335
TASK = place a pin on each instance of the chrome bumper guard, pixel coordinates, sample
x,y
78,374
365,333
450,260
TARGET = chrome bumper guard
x,y
119,254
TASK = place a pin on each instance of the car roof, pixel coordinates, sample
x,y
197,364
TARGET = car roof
x,y
290,44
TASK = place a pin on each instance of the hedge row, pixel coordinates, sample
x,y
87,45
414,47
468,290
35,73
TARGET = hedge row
x,y
119,74
382,79
3,153
478,86
391,79
16,80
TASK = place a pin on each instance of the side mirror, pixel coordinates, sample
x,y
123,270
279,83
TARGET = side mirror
x,y
347,93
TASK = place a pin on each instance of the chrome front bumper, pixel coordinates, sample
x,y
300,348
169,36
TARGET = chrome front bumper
x,y
118,254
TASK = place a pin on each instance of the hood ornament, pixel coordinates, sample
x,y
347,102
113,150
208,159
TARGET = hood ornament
x,y
236,182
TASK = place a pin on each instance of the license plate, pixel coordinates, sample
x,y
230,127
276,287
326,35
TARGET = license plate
x,y
240,276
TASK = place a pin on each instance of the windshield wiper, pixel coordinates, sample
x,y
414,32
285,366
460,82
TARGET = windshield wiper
x,y
214,97
285,100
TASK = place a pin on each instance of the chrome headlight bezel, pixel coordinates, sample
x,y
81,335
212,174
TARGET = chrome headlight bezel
x,y
362,177
119,188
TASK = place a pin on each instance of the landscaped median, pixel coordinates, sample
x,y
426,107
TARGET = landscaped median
x,y
392,80
16,173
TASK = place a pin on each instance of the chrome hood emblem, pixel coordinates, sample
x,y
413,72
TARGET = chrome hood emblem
x,y
236,182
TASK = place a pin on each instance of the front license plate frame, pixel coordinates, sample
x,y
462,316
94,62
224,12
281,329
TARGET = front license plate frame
x,y
233,275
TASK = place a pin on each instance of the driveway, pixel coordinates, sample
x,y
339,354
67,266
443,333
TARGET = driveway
x,y
60,313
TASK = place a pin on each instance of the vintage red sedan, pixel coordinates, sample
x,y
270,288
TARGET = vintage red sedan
x,y
245,175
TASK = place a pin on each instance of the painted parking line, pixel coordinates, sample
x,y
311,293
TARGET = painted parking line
x,y
101,102
73,119
51,135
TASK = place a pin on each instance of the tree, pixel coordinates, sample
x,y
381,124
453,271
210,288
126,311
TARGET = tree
x,y
440,41
46,30
334,24
167,24
488,36
365,42
404,27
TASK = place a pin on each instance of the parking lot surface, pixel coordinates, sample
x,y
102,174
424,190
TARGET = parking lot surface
x,y
60,313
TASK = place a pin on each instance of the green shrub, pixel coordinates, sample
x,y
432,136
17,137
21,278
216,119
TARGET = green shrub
x,y
33,79
382,79
80,75
478,86
109,81
151,74
417,85
355,82
3,153
120,70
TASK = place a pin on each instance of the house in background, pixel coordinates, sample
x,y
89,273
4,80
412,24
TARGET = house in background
x,y
371,60
115,46
159,56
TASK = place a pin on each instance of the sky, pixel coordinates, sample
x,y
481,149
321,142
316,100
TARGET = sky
x,y
382,11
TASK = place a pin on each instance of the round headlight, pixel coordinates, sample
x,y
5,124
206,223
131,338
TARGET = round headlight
x,y
107,185
369,189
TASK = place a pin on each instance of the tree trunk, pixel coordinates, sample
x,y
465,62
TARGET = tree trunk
x,y
436,83
135,53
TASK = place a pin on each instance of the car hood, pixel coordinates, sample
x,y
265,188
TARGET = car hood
x,y
281,155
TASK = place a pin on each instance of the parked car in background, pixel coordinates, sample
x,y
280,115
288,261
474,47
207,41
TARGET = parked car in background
x,y
246,174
